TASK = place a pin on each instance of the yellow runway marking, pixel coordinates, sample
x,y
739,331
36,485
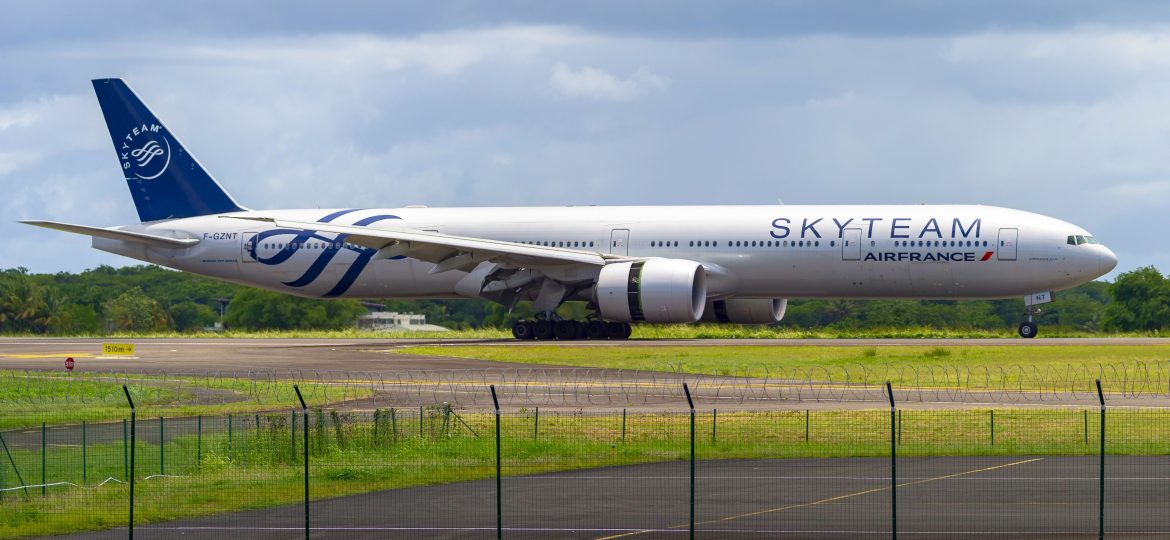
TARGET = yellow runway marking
x,y
44,355
833,499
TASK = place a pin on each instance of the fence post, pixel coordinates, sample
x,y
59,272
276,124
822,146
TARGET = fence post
x,y
691,403
499,493
623,425
993,428
899,427
893,463
536,424
15,469
806,425
125,451
305,411
84,456
714,422
446,418
199,442
1101,479
377,417
44,461
1086,426
133,435
162,446
393,425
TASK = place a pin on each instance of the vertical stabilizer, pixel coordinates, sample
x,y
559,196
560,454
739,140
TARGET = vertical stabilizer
x,y
166,181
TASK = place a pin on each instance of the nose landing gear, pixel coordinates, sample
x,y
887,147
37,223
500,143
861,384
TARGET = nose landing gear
x,y
1028,328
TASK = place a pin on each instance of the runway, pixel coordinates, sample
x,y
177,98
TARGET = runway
x,y
942,497
400,379
166,355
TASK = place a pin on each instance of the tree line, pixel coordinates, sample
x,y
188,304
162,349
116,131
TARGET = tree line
x,y
147,298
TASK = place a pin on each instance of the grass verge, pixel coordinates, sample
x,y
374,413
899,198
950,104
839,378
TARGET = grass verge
x,y
29,398
258,467
985,366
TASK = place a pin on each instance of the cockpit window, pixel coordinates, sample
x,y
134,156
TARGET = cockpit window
x,y
1091,240
1076,240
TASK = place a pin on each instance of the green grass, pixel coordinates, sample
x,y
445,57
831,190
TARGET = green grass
x,y
985,366
28,398
257,469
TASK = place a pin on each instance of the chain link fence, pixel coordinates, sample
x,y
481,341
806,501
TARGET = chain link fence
x,y
432,470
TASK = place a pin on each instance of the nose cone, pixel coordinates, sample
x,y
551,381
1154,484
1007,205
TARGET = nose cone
x,y
1106,260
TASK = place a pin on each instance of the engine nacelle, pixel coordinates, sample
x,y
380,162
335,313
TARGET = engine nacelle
x,y
654,290
746,310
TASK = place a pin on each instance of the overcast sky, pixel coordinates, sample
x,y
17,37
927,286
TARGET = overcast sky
x,y
1057,107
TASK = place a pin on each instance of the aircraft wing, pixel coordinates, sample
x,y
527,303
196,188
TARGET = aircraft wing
x,y
115,234
446,251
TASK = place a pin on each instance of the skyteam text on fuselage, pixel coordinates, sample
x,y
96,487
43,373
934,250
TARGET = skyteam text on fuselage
x,y
662,264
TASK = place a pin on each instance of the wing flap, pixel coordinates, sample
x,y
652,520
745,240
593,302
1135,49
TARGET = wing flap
x,y
115,234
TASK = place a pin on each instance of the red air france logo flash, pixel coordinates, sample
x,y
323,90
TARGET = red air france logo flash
x,y
987,256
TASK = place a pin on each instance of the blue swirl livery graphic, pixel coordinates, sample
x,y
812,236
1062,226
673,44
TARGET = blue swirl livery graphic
x,y
334,246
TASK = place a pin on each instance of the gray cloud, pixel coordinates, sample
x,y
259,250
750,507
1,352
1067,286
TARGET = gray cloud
x,y
568,108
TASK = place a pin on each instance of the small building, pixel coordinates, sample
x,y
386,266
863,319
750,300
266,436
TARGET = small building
x,y
392,321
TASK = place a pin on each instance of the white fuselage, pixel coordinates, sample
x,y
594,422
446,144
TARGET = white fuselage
x,y
929,252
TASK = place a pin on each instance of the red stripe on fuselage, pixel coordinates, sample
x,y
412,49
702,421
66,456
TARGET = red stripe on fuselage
x,y
987,255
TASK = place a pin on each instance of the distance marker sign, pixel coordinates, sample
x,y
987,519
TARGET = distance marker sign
x,y
117,349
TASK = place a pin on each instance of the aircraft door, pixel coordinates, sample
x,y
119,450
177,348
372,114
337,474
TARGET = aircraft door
x,y
619,240
851,245
1006,251
247,249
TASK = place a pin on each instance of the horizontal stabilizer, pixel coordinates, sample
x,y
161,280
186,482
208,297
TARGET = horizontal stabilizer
x,y
115,234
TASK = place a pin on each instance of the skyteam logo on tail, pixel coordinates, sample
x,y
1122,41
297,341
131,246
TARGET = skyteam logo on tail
x,y
145,152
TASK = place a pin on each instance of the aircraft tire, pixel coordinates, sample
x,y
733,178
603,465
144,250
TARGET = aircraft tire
x,y
614,330
595,330
522,330
543,330
1028,330
565,330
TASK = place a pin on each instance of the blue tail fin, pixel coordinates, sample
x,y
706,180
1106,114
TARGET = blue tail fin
x,y
166,181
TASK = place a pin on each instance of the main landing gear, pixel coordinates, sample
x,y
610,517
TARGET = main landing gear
x,y
566,330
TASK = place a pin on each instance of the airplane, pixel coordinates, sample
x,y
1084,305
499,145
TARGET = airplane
x,y
629,264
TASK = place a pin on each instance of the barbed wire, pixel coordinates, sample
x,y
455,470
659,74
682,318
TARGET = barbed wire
x,y
595,387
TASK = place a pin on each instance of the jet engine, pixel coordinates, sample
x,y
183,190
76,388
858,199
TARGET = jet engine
x,y
654,290
746,310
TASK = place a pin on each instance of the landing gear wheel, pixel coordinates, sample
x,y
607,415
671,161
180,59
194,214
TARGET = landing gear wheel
x,y
595,330
627,330
1028,330
615,330
543,330
522,330
565,330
